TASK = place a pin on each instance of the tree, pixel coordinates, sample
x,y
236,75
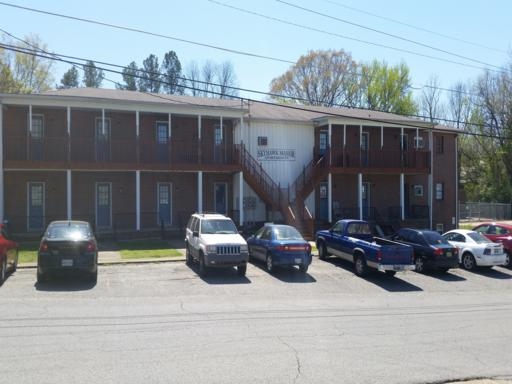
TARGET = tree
x,y
93,77
70,79
149,80
430,105
226,80
24,72
193,76
130,76
387,89
320,77
171,74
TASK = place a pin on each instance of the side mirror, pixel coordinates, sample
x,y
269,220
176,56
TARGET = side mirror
x,y
195,234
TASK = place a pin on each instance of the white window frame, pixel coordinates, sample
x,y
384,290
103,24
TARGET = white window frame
x,y
29,184
158,202
166,123
418,190
439,191
96,203
419,142
31,125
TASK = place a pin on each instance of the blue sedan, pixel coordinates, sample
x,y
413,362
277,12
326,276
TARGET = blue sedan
x,y
280,245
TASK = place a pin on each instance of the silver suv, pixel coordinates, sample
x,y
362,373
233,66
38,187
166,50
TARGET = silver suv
x,y
213,240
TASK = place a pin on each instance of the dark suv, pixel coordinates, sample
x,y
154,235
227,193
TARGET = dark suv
x,y
213,240
431,250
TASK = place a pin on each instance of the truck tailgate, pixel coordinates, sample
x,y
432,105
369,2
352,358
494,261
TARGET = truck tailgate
x,y
396,254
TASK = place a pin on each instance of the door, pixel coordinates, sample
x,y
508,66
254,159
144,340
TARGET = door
x,y
324,203
365,192
36,138
365,146
164,203
102,139
35,206
162,141
323,143
103,205
221,198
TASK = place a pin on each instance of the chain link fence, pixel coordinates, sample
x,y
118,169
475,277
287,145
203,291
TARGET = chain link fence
x,y
485,211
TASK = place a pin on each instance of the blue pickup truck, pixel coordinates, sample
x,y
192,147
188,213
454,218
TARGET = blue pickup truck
x,y
353,241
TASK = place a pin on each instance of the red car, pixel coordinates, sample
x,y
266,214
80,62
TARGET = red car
x,y
8,253
498,233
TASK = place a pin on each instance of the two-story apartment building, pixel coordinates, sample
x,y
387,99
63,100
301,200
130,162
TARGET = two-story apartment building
x,y
132,162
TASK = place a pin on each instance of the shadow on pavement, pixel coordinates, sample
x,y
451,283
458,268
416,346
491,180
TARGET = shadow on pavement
x,y
389,283
445,276
286,274
221,275
493,273
65,283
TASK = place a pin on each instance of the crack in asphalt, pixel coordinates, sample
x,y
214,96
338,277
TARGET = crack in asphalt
x,y
297,358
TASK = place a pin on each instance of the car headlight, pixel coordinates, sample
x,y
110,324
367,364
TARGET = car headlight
x,y
244,248
211,248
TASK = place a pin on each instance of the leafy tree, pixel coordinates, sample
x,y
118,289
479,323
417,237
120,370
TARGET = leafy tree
x,y
130,76
24,72
171,74
150,75
93,77
387,88
70,79
320,78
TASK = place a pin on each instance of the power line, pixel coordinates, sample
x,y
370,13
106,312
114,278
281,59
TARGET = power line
x,y
414,26
295,107
387,34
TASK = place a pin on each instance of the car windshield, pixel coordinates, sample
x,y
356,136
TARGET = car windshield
x,y
434,238
218,227
478,238
68,231
287,233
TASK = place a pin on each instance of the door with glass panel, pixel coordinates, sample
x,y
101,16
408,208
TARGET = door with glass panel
x,y
103,205
162,141
164,203
35,206
36,138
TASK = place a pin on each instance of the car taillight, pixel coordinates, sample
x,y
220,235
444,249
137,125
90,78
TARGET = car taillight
x,y
379,256
90,247
43,247
438,252
294,248
456,251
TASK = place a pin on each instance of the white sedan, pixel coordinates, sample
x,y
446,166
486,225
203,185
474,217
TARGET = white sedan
x,y
475,249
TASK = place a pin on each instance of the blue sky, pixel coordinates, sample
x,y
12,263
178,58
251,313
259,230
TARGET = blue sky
x,y
479,30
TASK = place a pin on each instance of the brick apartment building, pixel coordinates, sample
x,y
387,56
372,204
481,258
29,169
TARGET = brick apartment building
x,y
133,162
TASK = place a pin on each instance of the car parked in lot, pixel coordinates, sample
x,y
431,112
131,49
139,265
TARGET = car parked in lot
x,y
67,246
8,253
498,233
475,249
213,241
431,250
280,245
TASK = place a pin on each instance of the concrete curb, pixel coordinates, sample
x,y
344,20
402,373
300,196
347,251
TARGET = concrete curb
x,y
120,262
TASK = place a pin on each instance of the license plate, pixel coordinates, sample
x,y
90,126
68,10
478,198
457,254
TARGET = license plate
x,y
448,254
298,261
398,267
67,262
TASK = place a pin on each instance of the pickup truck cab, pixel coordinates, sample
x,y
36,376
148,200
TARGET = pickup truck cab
x,y
353,241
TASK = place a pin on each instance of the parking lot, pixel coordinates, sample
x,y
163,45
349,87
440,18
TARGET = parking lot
x,y
161,322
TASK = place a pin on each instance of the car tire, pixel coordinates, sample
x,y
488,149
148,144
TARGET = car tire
x,y
419,264
15,265
3,271
322,251
41,277
269,263
468,261
303,268
202,266
241,270
188,255
508,261
391,273
360,266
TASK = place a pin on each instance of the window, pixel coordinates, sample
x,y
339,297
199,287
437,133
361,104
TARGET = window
x,y
440,227
418,142
37,129
439,144
439,191
418,190
262,141
162,132
36,208
323,141
218,134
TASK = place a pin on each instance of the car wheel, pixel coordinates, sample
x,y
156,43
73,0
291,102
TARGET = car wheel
x,y
360,266
241,269
391,273
15,265
303,268
188,255
41,277
322,251
419,264
508,262
269,263
202,266
3,271
468,261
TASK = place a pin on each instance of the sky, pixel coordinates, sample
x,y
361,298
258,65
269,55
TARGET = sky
x,y
450,39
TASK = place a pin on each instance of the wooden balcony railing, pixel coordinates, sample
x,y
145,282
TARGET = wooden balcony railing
x,y
383,159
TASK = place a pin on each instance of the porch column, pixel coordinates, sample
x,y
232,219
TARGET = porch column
x,y
344,135
329,196
169,131
69,195
103,130
381,137
137,135
30,119
241,197
330,152
200,192
137,200
68,125
199,144
1,164
402,197
360,194
456,221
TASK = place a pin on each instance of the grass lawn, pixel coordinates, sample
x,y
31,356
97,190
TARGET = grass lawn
x,y
146,249
27,252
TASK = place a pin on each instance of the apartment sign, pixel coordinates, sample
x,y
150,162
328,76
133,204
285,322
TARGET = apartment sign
x,y
264,154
